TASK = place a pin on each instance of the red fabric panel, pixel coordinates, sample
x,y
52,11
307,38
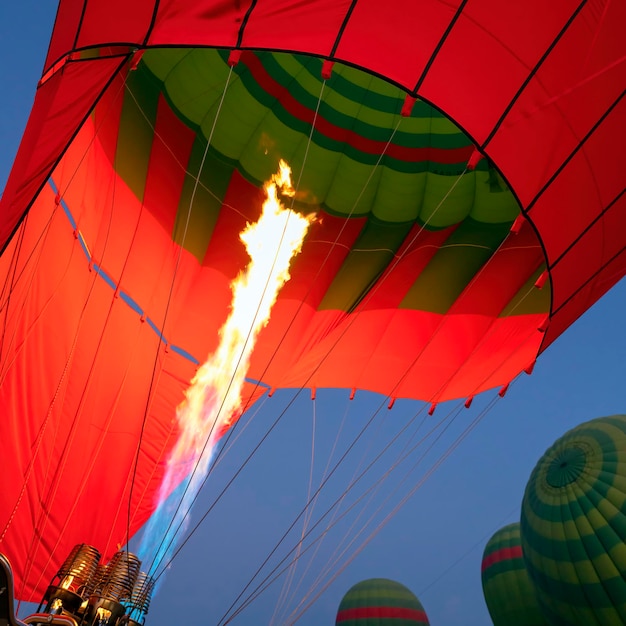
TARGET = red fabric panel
x,y
411,354
65,29
90,359
84,370
416,252
486,57
556,111
383,612
401,49
202,22
60,105
167,169
310,26
504,554
580,194
591,283
115,22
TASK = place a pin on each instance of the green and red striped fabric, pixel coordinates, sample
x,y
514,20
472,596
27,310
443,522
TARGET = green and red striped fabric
x,y
380,602
573,526
508,591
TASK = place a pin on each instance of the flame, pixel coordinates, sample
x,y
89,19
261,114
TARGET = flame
x,y
213,399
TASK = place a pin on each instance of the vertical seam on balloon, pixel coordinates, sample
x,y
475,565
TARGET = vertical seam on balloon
x,y
438,47
587,228
62,152
54,26
150,28
526,212
244,23
532,74
573,153
591,278
342,28
80,24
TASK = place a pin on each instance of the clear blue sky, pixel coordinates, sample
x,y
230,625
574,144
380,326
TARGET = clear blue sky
x,y
434,544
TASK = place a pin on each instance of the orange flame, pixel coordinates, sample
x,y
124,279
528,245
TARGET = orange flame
x,y
213,399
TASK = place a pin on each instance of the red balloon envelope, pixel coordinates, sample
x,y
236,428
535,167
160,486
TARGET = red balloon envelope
x,y
444,257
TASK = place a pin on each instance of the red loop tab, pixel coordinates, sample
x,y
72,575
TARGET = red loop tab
x,y
57,199
530,368
391,403
313,393
327,69
407,106
233,57
518,223
352,393
270,393
468,402
503,390
544,325
474,159
541,281
433,406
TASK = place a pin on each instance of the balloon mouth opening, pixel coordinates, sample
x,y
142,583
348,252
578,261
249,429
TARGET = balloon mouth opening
x,y
566,467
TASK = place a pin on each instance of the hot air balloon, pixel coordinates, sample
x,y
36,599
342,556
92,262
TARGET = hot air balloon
x,y
509,593
380,601
573,525
467,192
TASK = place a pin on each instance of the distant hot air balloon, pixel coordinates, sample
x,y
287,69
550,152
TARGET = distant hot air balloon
x,y
380,602
573,526
509,593
444,257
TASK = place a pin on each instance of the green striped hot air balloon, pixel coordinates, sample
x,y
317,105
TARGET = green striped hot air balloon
x,y
380,602
573,526
509,593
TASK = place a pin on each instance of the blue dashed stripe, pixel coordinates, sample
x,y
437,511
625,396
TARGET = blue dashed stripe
x,y
125,297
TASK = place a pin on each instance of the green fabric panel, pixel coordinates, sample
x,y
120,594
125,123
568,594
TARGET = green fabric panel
x,y
136,130
502,567
363,103
252,89
369,257
207,200
454,265
529,300
379,592
511,600
507,588
253,131
573,525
